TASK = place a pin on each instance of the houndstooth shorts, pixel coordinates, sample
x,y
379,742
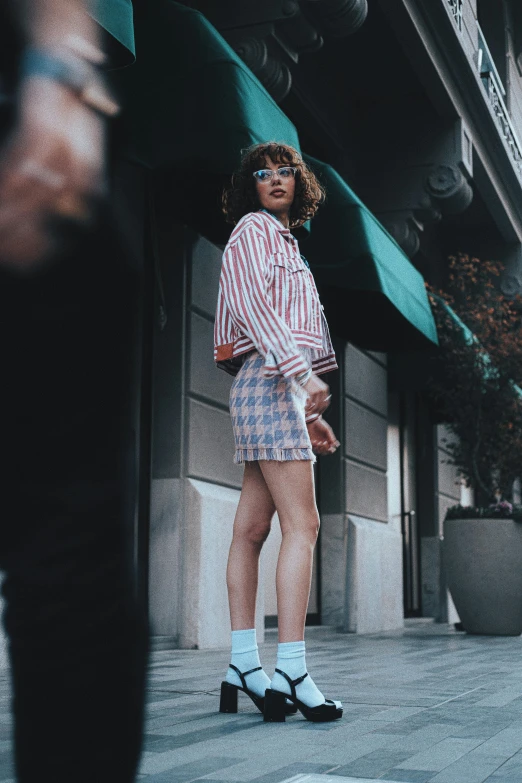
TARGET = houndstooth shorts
x,y
268,415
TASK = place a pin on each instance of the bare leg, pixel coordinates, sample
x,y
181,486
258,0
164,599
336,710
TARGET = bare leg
x,y
291,485
251,528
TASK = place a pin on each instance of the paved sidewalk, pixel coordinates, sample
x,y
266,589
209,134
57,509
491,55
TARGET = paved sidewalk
x,y
423,705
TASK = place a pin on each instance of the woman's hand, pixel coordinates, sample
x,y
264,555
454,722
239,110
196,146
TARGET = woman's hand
x,y
318,395
322,437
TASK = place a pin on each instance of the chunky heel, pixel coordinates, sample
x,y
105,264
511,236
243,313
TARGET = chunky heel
x,y
228,700
275,707
330,710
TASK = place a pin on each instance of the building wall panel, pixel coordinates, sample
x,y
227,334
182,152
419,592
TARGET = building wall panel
x,y
365,380
210,445
365,435
366,491
374,577
205,271
382,358
204,377
208,511
165,557
334,554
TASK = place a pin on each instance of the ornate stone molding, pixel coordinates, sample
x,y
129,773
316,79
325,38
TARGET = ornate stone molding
x,y
426,212
511,278
449,189
444,53
273,74
456,10
495,92
403,229
270,36
298,35
504,121
336,18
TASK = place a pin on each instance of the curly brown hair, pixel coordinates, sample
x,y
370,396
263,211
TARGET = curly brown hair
x,y
241,197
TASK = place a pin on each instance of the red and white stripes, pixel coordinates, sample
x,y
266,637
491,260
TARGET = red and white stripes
x,y
268,301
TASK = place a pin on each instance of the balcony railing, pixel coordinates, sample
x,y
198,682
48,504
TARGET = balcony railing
x,y
495,91
456,10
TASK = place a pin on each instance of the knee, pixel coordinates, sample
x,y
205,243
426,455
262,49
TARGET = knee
x,y
315,524
303,526
257,533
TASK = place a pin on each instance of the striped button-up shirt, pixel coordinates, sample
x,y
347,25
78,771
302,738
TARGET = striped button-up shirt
x,y
268,301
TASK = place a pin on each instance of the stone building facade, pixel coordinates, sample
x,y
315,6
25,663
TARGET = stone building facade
x,y
417,104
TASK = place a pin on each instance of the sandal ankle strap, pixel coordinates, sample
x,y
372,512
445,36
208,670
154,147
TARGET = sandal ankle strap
x,y
292,683
242,675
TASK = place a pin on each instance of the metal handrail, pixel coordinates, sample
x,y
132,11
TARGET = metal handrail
x,y
493,86
495,91
456,10
483,48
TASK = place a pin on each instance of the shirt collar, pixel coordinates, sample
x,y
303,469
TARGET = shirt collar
x,y
277,224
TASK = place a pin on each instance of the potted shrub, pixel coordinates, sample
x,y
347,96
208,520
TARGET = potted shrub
x,y
477,394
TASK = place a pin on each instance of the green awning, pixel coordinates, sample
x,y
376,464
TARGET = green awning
x,y
487,369
116,17
191,106
192,101
374,295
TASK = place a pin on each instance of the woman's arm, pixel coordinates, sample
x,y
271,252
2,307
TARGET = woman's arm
x,y
326,361
245,288
322,437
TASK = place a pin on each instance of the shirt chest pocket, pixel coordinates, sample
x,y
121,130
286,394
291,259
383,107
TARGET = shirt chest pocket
x,y
292,263
294,293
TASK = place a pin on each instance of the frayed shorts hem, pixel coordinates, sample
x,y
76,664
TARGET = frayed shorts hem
x,y
278,455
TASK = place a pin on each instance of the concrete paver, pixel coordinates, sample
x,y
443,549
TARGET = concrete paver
x,y
425,704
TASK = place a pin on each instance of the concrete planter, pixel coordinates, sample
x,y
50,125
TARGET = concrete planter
x,y
483,563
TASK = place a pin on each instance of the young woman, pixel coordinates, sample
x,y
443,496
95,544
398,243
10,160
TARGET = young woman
x,y
271,333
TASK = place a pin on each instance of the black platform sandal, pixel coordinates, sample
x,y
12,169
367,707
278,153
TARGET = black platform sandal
x,y
228,700
275,701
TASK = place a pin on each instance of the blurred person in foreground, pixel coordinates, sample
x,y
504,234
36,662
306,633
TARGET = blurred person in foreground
x,y
76,634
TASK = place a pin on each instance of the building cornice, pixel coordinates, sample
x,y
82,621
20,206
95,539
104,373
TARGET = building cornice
x,y
432,40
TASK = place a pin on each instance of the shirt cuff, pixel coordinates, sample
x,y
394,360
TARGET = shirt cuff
x,y
325,364
292,365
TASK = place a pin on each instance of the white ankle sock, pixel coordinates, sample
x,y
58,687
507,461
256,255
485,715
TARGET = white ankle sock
x,y
245,655
291,660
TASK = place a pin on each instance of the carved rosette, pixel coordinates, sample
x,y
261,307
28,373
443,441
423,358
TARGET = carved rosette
x,y
511,284
299,34
511,277
273,74
336,18
426,212
449,189
270,43
403,232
